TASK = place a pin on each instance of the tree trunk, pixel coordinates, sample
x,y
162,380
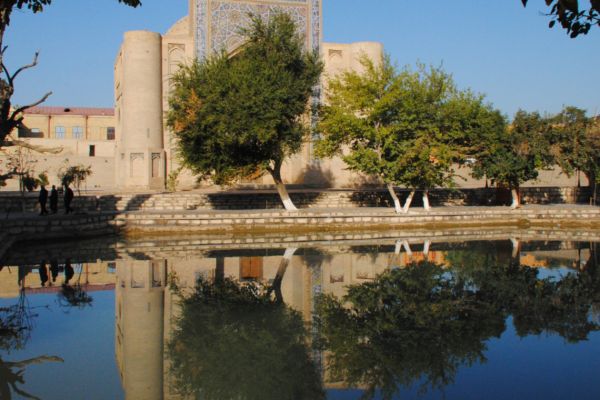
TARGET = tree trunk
x,y
283,264
426,245
283,193
516,247
426,205
397,206
514,192
408,201
407,248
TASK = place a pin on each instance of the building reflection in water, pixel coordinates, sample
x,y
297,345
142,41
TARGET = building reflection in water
x,y
147,308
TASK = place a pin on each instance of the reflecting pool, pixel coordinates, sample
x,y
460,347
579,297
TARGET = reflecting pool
x,y
425,317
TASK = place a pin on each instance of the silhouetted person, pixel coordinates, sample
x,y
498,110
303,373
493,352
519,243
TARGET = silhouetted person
x,y
43,273
54,269
54,200
68,199
43,198
69,272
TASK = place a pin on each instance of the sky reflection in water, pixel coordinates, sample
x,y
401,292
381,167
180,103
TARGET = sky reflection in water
x,y
495,325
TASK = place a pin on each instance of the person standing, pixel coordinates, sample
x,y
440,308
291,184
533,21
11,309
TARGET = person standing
x,y
42,199
54,200
68,199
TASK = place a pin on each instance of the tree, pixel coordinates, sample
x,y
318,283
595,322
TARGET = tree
x,y
240,116
511,156
576,141
574,20
407,128
11,118
74,175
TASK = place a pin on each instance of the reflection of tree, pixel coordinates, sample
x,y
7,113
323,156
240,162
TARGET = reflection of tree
x,y
16,323
11,375
73,295
232,341
407,324
423,322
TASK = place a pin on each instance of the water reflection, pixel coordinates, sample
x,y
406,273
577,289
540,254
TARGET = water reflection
x,y
277,322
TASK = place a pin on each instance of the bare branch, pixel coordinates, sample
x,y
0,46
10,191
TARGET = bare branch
x,y
24,67
30,146
23,108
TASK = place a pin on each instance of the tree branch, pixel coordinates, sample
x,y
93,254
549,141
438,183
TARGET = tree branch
x,y
27,145
23,108
24,67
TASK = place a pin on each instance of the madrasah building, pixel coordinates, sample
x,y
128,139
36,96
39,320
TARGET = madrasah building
x,y
131,148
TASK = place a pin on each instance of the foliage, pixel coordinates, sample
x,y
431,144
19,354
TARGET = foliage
x,y
240,116
173,179
232,341
74,175
568,14
512,156
407,127
74,296
20,164
576,142
421,323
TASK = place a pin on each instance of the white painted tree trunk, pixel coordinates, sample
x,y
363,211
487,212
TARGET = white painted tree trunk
x,y
516,247
282,191
426,245
515,199
407,248
408,201
426,205
397,206
283,264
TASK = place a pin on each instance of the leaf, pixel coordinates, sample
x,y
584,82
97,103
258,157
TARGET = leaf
x,y
571,5
551,24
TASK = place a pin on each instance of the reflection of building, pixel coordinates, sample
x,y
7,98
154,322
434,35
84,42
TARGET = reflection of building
x,y
146,309
139,319
91,276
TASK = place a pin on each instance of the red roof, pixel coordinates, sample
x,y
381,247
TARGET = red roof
x,y
71,110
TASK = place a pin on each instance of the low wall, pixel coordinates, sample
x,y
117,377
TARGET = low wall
x,y
260,200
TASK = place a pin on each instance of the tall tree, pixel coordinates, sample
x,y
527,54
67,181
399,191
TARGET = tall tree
x,y
241,116
511,156
571,17
407,128
11,118
576,142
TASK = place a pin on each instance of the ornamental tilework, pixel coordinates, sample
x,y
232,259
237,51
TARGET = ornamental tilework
x,y
228,17
218,21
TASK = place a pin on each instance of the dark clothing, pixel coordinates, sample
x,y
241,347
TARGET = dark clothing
x,y
43,273
68,198
54,200
69,272
43,198
54,269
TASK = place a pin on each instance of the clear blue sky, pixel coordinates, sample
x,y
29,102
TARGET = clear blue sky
x,y
494,47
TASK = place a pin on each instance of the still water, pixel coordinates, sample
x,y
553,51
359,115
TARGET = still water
x,y
288,319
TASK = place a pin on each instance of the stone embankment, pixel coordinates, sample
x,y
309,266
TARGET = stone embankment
x,y
310,199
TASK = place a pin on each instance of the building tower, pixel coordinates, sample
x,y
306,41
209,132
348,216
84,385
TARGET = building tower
x,y
139,158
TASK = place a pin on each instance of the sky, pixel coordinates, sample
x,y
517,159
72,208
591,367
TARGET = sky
x,y
493,47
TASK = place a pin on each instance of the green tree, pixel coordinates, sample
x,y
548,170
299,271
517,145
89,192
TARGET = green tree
x,y
407,128
241,116
511,156
571,17
11,118
576,143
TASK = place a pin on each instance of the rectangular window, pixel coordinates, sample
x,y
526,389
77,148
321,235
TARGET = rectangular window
x,y
59,132
77,132
25,132
92,150
110,133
